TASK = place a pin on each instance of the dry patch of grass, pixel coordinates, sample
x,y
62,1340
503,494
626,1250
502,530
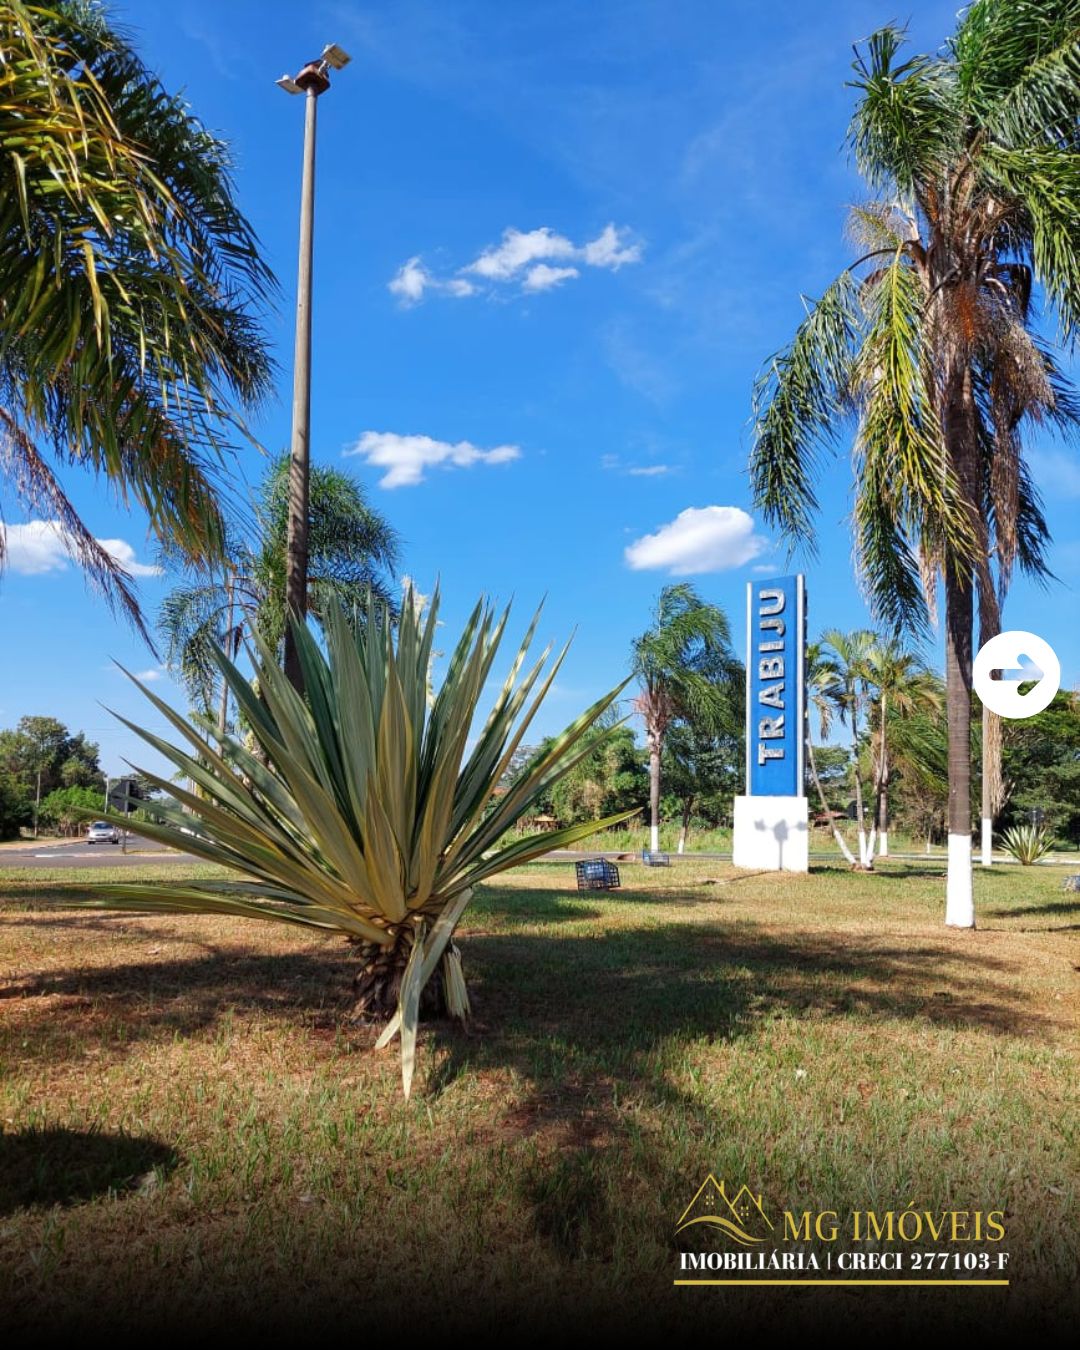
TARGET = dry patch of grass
x,y
191,1129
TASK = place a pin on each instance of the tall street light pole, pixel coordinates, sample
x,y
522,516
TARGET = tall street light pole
x,y
312,81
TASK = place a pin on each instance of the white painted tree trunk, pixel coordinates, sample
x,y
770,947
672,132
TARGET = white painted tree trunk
x,y
841,844
959,896
682,840
654,791
987,841
883,850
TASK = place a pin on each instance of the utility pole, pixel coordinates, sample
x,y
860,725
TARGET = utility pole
x,y
312,81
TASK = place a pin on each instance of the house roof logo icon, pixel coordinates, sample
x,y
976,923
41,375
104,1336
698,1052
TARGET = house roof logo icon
x,y
741,1216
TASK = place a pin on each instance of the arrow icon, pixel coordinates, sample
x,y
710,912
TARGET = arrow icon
x,y
1005,665
1024,671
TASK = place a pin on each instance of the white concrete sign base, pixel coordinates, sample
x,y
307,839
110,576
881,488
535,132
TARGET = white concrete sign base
x,y
772,834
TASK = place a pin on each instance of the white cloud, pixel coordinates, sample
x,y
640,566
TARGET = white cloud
x,y
406,458
608,249
613,464
517,250
1055,472
699,539
543,278
148,676
41,546
413,279
458,286
523,256
125,556
35,548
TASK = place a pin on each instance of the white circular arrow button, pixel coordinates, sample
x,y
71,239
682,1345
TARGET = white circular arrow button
x,y
1010,660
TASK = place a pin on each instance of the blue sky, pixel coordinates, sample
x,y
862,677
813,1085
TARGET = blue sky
x,y
554,243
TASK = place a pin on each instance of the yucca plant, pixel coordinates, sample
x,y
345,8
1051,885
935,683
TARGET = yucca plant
x,y
360,809
1026,843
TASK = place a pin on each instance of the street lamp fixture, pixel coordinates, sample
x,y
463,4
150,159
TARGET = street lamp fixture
x,y
336,56
314,77
312,80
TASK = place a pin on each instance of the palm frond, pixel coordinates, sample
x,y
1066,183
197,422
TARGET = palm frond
x,y
1018,69
130,338
1045,179
799,405
906,124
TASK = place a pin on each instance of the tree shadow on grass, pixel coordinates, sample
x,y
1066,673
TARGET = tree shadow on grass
x,y
584,1019
629,986
594,1033
904,872
73,919
635,987
1034,910
67,1167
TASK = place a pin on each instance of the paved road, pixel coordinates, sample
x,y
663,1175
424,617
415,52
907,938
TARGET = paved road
x,y
74,854
77,853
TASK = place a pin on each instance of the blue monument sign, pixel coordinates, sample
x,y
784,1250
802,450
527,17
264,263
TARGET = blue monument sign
x,y
775,687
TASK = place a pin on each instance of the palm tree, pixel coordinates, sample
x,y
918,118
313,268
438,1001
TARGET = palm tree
x,y
130,289
904,687
846,658
823,692
353,550
683,665
927,341
919,766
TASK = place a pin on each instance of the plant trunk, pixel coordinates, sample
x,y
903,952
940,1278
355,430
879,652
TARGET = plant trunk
x,y
654,793
377,984
987,832
688,806
860,808
959,899
883,787
840,840
959,627
992,793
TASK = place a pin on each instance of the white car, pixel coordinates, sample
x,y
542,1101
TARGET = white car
x,y
101,832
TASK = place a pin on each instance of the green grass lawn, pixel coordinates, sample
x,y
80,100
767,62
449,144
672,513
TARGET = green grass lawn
x,y
192,1128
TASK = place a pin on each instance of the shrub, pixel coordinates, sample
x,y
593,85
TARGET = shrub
x,y
1026,843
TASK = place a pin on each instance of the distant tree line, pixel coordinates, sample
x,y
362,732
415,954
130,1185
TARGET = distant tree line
x,y
44,770
50,777
691,702
1040,771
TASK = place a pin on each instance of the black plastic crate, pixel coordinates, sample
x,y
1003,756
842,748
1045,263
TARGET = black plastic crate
x,y
597,874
